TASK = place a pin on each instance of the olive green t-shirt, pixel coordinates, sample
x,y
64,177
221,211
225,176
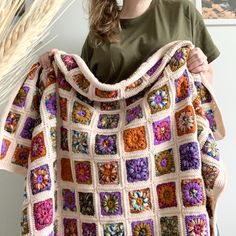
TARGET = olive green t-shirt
x,y
163,22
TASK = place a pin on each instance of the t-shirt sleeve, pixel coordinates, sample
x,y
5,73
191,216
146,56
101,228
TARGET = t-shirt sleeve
x,y
87,51
200,36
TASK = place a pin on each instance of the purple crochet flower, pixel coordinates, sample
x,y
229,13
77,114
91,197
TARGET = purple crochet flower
x,y
51,105
151,71
137,169
89,229
189,156
110,203
69,200
105,144
133,113
211,119
196,225
28,128
192,192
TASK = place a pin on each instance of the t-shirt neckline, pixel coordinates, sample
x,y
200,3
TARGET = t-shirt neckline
x,y
127,21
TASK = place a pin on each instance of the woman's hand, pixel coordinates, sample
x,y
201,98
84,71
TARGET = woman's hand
x,y
197,63
44,59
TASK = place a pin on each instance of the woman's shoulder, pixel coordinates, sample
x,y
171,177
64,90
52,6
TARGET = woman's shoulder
x,y
186,4
186,7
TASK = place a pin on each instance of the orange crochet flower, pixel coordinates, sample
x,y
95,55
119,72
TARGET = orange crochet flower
x,y
63,108
182,87
81,81
135,139
106,94
185,121
198,107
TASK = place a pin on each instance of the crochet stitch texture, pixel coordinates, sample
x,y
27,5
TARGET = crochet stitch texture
x,y
135,158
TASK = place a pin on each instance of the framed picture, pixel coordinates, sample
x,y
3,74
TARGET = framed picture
x,y
217,12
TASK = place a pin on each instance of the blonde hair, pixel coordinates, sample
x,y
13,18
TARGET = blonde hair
x,y
104,22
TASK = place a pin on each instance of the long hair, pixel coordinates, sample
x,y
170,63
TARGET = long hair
x,y
104,22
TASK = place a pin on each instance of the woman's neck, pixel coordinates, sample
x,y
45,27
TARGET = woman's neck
x,y
134,8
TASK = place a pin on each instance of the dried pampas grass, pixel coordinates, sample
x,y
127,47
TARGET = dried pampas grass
x,y
19,39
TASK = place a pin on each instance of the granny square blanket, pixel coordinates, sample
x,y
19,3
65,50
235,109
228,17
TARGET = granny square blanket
x,y
136,158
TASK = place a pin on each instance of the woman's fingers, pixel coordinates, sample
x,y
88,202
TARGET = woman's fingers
x,y
197,61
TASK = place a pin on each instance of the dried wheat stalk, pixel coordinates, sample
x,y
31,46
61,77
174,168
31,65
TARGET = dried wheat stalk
x,y
17,47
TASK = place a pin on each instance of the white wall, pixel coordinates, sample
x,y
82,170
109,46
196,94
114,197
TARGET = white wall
x,y
71,30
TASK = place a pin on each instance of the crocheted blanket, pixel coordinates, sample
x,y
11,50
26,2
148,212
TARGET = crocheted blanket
x,y
135,158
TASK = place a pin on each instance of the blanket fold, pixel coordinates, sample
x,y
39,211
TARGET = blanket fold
x,y
139,157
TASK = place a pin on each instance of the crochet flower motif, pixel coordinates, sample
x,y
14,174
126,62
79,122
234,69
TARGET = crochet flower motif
x,y
63,108
24,222
189,156
151,71
53,136
164,162
203,93
139,200
28,128
193,193
179,59
134,85
210,148
64,139
106,94
21,155
81,82
167,195
69,203
43,213
114,229
185,121
182,87
210,115
110,203
86,203
210,173
108,121
51,105
137,169
66,172
81,114
69,62
109,106
142,227
105,144
5,146
169,226
133,114
159,99
12,121
20,98
38,148
162,131
80,142
89,229
135,139
196,225
40,179
70,227
83,172
108,172
62,83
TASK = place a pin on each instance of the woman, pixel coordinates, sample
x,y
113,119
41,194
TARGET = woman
x,y
143,26
122,38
